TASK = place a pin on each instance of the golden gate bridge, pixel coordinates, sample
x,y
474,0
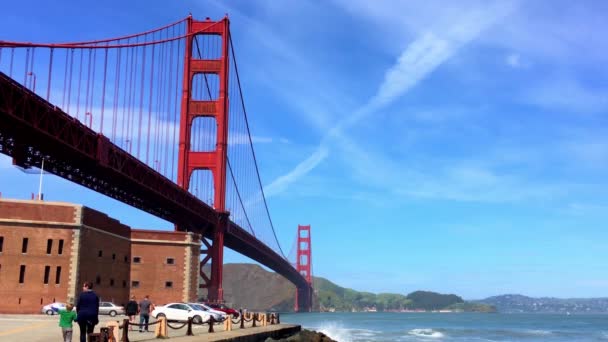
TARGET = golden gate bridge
x,y
156,120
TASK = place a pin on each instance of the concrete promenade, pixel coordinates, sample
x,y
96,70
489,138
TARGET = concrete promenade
x,y
42,328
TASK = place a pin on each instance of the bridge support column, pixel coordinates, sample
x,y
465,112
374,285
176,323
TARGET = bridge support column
x,y
303,299
216,291
190,160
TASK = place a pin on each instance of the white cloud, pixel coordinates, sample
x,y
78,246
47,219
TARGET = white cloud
x,y
419,59
514,60
567,94
281,183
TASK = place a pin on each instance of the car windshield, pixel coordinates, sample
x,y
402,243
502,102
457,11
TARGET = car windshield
x,y
197,307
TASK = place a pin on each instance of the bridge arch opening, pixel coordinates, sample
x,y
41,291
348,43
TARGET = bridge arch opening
x,y
205,86
204,134
207,46
201,186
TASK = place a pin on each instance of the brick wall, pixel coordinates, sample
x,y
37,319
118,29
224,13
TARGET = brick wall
x,y
104,256
164,281
38,211
96,248
32,293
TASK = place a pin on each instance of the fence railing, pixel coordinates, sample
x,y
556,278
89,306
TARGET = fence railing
x,y
245,320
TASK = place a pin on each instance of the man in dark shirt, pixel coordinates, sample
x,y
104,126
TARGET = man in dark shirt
x,y
87,309
145,307
132,310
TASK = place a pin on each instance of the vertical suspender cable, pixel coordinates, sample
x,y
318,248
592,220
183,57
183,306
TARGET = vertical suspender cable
x,y
150,106
48,87
103,92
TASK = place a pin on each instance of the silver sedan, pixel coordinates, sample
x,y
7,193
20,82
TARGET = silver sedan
x,y
108,308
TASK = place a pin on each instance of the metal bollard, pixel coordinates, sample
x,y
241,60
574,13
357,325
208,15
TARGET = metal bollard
x,y
125,330
253,320
211,320
271,319
189,332
242,319
104,334
278,320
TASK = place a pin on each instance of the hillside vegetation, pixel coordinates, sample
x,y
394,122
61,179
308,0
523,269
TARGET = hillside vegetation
x,y
250,286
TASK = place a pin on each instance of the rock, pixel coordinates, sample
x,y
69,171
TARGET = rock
x,y
304,336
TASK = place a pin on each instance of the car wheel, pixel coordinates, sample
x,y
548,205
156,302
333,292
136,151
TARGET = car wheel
x,y
49,312
197,319
112,313
160,315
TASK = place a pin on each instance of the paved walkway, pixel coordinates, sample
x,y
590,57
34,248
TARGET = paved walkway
x,y
42,328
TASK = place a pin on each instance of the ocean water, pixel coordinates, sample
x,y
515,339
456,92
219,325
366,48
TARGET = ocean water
x,y
351,327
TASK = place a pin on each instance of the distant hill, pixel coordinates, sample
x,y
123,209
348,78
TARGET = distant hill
x,y
515,303
250,286
432,301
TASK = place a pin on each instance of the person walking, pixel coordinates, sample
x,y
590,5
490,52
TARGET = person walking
x,y
145,308
132,311
66,317
87,310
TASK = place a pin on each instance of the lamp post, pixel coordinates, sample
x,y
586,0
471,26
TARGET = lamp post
x,y
40,184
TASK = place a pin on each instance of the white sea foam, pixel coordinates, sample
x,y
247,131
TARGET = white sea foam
x,y
336,332
428,333
538,332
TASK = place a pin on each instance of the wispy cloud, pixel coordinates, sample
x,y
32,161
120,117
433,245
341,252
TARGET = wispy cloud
x,y
567,94
418,60
514,60
280,184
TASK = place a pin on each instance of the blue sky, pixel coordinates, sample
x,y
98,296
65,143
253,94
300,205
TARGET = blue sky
x,y
455,146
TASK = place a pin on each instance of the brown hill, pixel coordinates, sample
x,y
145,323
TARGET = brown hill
x,y
250,286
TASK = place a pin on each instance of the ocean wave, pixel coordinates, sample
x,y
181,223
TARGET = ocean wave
x,y
336,332
538,332
428,333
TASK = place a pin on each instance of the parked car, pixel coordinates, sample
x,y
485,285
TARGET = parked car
x,y
53,308
217,315
181,312
223,308
109,308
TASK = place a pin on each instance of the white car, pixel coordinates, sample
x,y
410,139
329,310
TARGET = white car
x,y
217,315
53,308
181,312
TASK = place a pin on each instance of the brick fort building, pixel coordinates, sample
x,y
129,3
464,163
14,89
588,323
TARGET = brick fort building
x,y
48,249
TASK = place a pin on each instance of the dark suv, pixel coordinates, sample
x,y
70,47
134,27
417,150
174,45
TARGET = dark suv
x,y
224,308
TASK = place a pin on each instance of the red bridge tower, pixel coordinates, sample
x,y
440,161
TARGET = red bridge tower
x,y
304,266
214,161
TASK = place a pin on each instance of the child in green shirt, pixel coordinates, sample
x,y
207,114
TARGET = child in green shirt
x,y
66,317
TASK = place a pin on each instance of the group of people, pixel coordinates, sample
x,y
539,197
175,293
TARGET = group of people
x,y
143,308
87,313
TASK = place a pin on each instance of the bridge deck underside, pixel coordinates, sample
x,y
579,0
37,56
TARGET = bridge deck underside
x,y
32,128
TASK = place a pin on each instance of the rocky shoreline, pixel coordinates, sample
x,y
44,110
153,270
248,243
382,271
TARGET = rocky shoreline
x,y
304,336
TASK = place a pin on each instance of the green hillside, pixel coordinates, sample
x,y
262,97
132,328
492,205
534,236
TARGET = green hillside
x,y
252,287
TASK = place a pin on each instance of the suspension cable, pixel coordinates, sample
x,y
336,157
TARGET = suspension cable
x,y
251,144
